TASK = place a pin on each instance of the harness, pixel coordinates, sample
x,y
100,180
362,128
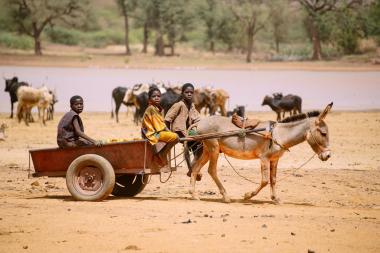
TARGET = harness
x,y
321,148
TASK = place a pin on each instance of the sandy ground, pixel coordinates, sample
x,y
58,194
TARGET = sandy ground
x,y
331,206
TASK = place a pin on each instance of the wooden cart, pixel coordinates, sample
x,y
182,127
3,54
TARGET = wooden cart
x,y
92,173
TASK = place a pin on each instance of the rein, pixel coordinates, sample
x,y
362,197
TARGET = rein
x,y
249,180
323,149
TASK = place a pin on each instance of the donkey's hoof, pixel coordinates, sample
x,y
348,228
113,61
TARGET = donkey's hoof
x,y
276,201
247,196
226,199
195,197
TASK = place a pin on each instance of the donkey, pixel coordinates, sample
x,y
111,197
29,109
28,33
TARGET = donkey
x,y
285,134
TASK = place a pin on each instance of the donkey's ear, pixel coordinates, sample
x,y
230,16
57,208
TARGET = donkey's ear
x,y
325,111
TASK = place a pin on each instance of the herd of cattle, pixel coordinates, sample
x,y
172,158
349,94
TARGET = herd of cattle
x,y
208,100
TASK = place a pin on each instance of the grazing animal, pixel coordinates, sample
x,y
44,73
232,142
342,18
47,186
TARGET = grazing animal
x,y
133,97
203,98
11,86
219,97
239,110
50,109
291,131
141,102
118,95
278,103
169,98
28,97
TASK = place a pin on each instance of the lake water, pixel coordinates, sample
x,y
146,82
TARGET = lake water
x,y
348,90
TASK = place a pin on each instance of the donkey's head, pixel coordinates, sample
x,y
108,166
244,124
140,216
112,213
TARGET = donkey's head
x,y
318,135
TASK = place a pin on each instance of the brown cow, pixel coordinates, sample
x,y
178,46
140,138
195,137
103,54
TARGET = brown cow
x,y
220,98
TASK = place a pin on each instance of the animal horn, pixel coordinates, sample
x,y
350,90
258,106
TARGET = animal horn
x,y
325,111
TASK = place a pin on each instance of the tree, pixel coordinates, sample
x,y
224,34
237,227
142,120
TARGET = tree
x,y
210,14
249,13
32,16
279,18
315,10
171,19
144,14
126,6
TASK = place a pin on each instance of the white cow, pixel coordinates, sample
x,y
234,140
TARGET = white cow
x,y
28,97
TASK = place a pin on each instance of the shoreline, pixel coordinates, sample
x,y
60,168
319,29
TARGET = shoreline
x,y
115,61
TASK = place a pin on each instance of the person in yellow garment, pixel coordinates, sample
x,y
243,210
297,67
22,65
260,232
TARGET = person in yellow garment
x,y
154,127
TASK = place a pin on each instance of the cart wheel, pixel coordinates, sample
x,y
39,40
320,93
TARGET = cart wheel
x,y
90,178
128,186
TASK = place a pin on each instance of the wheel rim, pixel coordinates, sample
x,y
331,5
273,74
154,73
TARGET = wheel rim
x,y
88,180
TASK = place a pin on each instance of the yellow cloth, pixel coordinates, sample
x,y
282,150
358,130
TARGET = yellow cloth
x,y
154,127
167,136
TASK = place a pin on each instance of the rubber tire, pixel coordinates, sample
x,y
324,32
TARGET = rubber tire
x,y
107,172
126,188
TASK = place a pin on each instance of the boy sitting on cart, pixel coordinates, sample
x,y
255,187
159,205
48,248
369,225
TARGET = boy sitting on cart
x,y
70,127
154,128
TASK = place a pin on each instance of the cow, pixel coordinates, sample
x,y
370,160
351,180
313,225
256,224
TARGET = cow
x,y
239,110
50,109
167,100
28,97
279,103
141,102
11,86
129,97
118,95
203,98
220,97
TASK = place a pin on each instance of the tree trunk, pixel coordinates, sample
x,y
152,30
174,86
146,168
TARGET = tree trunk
x,y
249,45
160,50
145,39
277,46
127,49
212,46
37,45
317,49
172,47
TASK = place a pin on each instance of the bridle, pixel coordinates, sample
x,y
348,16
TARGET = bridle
x,y
321,148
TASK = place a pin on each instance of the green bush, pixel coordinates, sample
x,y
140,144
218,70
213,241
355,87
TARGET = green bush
x,y
11,40
103,38
64,36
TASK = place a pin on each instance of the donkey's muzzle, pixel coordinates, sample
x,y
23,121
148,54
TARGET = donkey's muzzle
x,y
325,155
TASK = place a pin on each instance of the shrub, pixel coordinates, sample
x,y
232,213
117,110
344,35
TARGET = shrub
x,y
103,38
64,36
11,40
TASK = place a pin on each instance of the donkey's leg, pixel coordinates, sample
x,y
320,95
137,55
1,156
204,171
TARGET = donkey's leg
x,y
212,169
273,173
198,164
264,179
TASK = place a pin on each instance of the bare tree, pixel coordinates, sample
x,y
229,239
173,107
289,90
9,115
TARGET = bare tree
x,y
32,16
248,12
315,9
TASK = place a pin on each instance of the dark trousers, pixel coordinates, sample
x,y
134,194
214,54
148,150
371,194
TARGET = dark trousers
x,y
75,143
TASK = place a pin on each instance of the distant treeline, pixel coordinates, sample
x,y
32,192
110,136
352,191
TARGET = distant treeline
x,y
283,29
